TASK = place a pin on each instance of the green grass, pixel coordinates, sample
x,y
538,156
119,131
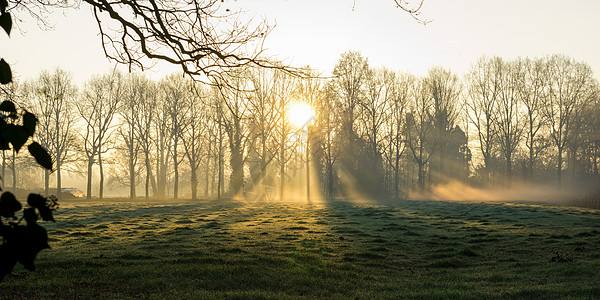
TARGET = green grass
x,y
405,249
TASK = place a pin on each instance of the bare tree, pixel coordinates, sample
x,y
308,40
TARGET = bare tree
x,y
419,128
350,76
177,91
399,89
213,138
52,96
445,90
97,107
285,92
483,86
531,88
510,125
219,111
310,91
193,138
131,114
569,90
162,142
328,123
374,109
234,121
144,125
265,116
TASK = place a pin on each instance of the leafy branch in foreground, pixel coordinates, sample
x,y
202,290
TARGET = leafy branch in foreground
x,y
20,243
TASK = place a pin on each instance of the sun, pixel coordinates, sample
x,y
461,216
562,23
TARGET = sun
x,y
300,114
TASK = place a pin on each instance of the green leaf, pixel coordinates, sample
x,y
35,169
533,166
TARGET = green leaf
x,y
5,73
9,205
41,155
6,22
28,241
4,144
3,5
36,200
8,106
8,261
16,135
29,122
46,214
30,215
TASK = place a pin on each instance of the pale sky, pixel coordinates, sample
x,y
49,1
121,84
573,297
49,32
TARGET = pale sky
x,y
316,32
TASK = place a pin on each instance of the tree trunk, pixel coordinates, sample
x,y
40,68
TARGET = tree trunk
x,y
160,185
132,184
329,179
46,182
58,160
101,187
307,166
397,174
89,178
282,170
194,180
58,181
237,169
149,177
220,161
160,172
282,151
421,177
3,168
207,169
509,167
213,175
531,150
176,169
14,170
559,167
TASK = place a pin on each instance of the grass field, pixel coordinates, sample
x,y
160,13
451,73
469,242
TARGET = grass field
x,y
337,249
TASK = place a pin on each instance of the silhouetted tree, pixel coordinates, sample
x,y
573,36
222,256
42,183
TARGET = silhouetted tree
x,y
419,128
445,90
328,125
569,90
373,111
97,106
177,91
509,119
52,96
399,88
194,137
531,88
131,112
144,125
234,121
264,118
483,86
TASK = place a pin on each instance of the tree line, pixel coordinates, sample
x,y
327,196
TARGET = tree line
x,y
382,132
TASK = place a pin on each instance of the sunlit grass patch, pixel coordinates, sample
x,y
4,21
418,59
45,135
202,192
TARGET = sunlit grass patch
x,y
405,249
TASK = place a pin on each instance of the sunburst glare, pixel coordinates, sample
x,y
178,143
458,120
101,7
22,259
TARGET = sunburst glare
x,y
300,114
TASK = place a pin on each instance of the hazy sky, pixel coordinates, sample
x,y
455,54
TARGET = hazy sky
x,y
316,32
